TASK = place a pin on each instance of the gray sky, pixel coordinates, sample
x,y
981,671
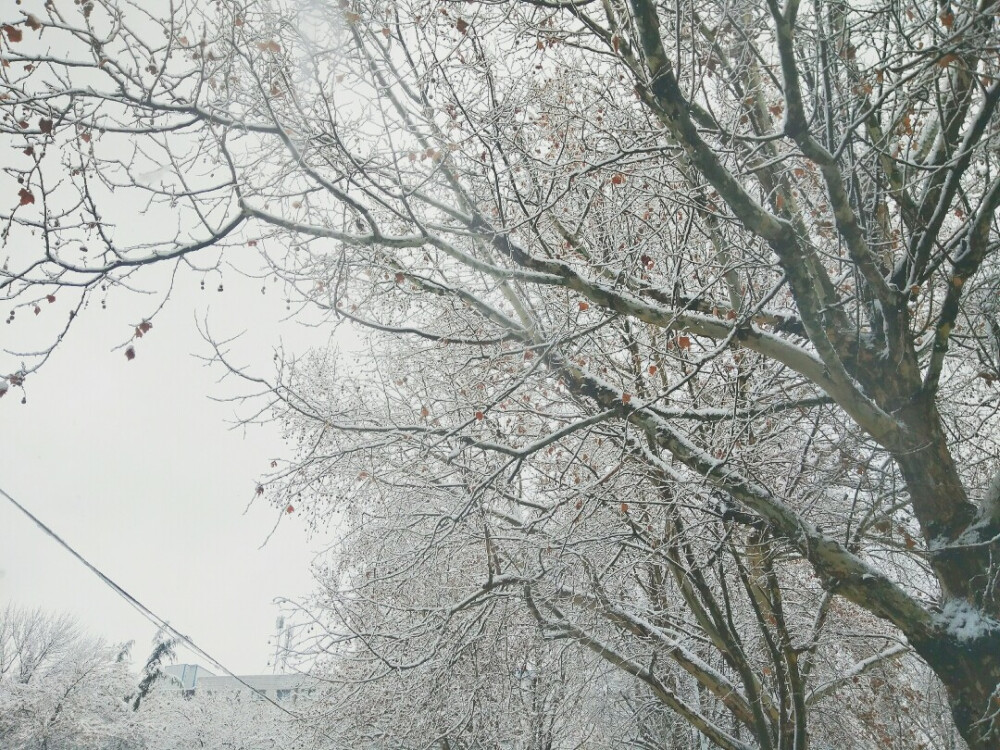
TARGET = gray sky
x,y
134,465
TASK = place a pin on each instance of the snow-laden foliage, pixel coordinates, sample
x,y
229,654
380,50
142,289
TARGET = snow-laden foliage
x,y
60,690
679,357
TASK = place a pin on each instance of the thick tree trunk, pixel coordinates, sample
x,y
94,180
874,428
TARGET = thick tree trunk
x,y
967,660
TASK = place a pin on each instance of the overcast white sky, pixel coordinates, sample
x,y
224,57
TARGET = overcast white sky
x,y
136,467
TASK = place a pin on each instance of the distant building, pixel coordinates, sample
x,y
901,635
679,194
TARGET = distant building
x,y
193,679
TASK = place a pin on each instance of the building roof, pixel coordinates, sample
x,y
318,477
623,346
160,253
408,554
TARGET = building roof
x,y
193,677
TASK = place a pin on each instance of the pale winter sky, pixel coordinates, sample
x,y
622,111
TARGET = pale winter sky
x,y
135,466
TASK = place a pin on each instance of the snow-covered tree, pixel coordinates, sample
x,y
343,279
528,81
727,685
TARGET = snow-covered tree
x,y
60,690
683,339
239,720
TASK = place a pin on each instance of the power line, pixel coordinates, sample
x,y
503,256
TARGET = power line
x,y
147,612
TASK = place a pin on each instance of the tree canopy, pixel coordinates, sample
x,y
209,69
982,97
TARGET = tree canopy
x,y
681,351
60,689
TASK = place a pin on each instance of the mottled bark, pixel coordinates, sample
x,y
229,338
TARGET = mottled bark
x,y
969,668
